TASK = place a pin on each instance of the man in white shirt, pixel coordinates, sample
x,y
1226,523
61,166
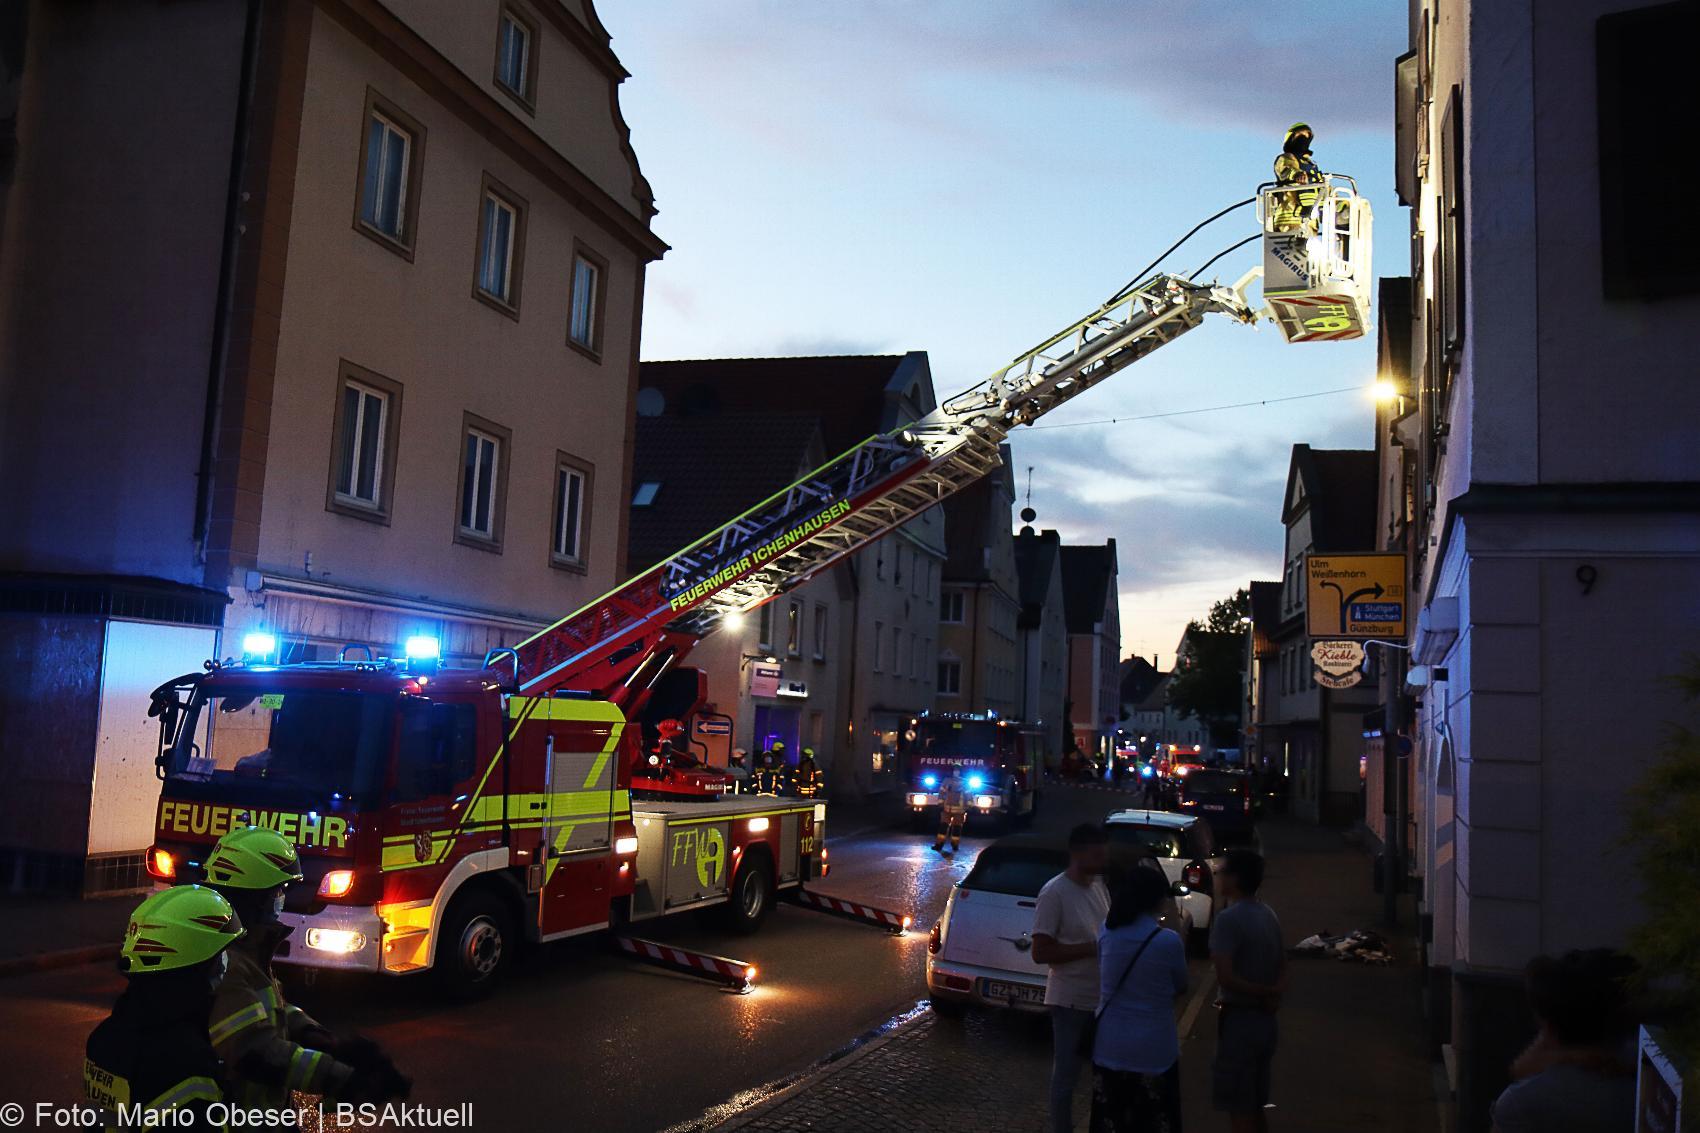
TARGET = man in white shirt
x,y
1070,912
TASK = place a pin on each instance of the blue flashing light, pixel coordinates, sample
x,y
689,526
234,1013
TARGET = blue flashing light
x,y
259,644
975,782
1146,772
423,648
929,780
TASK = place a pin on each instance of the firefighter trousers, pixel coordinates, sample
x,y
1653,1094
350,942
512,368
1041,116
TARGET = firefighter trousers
x,y
950,826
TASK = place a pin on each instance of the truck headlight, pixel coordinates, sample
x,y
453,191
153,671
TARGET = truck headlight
x,y
335,940
985,802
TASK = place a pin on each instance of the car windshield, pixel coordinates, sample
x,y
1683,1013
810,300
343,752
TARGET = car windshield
x,y
1017,872
1215,783
317,743
1164,841
957,738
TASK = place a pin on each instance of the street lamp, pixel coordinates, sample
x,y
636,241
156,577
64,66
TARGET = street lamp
x,y
1386,392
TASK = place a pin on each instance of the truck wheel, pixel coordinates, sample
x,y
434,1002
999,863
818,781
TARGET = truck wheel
x,y
751,897
476,944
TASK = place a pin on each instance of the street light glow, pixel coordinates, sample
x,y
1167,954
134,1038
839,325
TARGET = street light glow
x,y
1386,392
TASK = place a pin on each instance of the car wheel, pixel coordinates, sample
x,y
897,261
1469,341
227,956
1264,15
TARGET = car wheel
x,y
751,897
476,944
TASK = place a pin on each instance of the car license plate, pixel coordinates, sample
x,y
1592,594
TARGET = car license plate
x,y
1214,806
1015,993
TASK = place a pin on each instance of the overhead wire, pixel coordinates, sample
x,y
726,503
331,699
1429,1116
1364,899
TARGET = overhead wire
x,y
1204,409
1230,248
1134,283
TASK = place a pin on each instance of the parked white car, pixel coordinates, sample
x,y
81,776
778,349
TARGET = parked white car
x,y
1186,849
981,950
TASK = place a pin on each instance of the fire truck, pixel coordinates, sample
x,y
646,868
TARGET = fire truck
x,y
999,761
445,816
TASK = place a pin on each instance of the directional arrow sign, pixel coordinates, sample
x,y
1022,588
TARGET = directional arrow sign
x,y
1356,596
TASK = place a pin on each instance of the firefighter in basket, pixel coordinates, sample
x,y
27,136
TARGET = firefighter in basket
x,y
270,1047
153,1051
807,780
953,812
1296,166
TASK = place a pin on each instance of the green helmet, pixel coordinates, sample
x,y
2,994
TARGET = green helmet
x,y
178,928
779,745
253,857
1298,128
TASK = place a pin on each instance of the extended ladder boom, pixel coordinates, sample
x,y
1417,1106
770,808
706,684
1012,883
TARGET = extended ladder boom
x,y
625,639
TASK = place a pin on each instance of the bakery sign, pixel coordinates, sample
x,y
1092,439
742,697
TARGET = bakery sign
x,y
1337,657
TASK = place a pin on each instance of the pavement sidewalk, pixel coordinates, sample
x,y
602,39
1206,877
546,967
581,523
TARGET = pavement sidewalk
x,y
58,931
1351,1058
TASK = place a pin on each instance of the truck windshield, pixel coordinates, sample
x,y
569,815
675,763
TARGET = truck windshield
x,y
957,738
314,743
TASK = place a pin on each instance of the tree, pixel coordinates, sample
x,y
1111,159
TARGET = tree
x,y
1208,683
1663,816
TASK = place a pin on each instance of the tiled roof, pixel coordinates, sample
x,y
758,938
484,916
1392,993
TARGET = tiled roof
x,y
1138,678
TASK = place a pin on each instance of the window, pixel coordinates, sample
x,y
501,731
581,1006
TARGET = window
x,y
437,748
766,635
951,607
897,574
572,512
589,290
483,483
915,657
896,652
516,56
794,629
950,677
386,199
820,632
879,566
363,444
501,247
879,646
644,494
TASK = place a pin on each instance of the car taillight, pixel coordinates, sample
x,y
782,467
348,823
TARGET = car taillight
x,y
1193,876
1247,802
935,939
162,864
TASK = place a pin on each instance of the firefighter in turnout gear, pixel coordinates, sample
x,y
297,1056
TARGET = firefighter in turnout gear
x,y
953,812
270,1047
1296,166
807,780
152,1051
770,772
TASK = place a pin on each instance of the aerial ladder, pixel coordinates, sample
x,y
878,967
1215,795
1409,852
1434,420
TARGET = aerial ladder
x,y
619,646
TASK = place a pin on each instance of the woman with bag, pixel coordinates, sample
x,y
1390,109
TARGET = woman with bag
x,y
1135,1051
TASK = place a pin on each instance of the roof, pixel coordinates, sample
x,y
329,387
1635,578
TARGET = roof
x,y
710,469
1265,614
854,396
1088,575
1138,678
1339,488
1164,818
1157,699
1035,559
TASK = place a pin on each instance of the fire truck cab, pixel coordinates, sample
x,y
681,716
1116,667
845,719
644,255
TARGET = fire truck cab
x,y
442,818
999,760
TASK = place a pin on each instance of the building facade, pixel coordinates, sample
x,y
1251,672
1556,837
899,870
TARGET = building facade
x,y
1042,636
1092,607
979,659
305,355
1552,483
888,641
1314,735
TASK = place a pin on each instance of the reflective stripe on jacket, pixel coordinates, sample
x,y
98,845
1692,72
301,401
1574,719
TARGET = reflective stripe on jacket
x,y
259,1035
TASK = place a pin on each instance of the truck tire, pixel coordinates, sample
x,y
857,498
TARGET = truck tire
x,y
751,897
477,942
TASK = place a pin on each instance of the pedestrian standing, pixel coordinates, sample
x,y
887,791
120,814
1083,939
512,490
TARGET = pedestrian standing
x,y
1136,1081
953,812
1251,971
1579,1073
1067,918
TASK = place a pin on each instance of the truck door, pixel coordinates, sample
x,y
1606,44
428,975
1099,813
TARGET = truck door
x,y
576,809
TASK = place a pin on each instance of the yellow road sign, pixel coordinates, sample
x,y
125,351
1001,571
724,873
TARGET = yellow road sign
x,y
1356,596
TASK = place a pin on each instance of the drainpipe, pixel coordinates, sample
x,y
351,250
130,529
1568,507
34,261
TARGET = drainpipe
x,y
226,282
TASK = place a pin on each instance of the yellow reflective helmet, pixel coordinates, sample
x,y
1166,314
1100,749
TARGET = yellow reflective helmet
x,y
178,928
1298,128
253,857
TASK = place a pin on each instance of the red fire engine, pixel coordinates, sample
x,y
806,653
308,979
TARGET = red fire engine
x,y
444,815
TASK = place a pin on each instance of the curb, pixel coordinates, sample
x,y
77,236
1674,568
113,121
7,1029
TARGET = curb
x,y
64,958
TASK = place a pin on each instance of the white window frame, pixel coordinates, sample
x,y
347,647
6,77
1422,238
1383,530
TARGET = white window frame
x,y
949,600
369,210
952,667
486,241
585,298
522,88
565,476
480,488
349,461
820,632
793,629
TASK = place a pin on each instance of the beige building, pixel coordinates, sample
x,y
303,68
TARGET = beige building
x,y
349,358
979,667
887,647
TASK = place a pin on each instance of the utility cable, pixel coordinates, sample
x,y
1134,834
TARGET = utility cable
x,y
1223,252
1133,284
1206,409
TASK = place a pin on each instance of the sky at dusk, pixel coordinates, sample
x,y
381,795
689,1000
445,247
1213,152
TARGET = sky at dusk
x,y
967,177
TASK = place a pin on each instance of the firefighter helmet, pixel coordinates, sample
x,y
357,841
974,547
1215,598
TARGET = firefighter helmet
x,y
178,928
779,747
1293,133
253,857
